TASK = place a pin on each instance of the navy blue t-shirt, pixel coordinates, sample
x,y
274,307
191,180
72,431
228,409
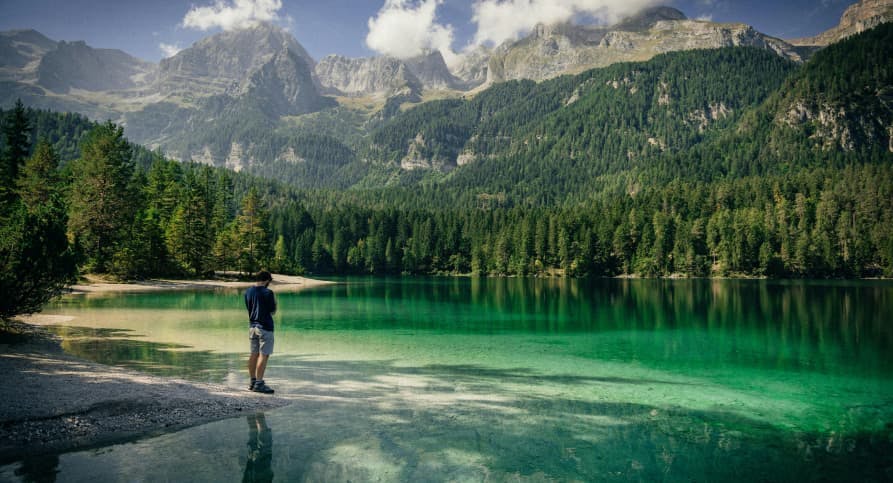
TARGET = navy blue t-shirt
x,y
261,305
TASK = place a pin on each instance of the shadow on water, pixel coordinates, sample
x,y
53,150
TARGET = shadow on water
x,y
469,372
380,421
456,422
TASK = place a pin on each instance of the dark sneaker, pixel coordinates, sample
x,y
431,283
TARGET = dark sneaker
x,y
260,387
251,385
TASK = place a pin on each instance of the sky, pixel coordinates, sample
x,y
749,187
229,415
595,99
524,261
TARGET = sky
x,y
154,29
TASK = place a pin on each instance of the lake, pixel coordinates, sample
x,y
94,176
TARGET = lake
x,y
464,379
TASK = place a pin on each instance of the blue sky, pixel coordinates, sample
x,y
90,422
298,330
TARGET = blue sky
x,y
149,29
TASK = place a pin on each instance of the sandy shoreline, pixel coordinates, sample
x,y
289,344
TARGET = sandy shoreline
x,y
53,402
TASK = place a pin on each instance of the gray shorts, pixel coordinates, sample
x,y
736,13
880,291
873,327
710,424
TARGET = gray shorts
x,y
261,340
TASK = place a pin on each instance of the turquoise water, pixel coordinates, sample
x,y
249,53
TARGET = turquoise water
x,y
513,380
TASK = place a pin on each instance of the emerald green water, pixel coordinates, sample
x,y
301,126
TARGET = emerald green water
x,y
513,380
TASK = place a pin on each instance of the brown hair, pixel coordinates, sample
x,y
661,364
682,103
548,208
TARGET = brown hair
x,y
263,276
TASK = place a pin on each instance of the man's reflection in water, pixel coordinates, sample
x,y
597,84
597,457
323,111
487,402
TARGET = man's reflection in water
x,y
39,470
260,450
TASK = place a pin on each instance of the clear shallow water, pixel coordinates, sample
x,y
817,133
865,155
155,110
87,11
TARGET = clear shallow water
x,y
517,379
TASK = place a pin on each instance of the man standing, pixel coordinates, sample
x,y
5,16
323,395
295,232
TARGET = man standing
x,y
261,305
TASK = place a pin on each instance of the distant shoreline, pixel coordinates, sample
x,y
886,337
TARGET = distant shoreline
x,y
283,283
292,283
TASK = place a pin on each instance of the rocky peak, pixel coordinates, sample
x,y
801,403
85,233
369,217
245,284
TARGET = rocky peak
x,y
20,47
283,87
472,68
431,70
218,61
564,32
540,31
647,18
859,17
366,76
77,65
866,13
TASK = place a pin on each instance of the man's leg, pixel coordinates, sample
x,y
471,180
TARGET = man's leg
x,y
252,365
261,366
266,348
254,337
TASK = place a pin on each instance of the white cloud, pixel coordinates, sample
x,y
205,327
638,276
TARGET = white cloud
x,y
405,29
169,50
500,20
707,17
229,16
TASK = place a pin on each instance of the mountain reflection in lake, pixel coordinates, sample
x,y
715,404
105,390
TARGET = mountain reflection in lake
x,y
521,379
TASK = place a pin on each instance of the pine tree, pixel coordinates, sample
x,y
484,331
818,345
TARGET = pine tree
x,y
253,233
189,233
17,131
101,204
39,182
280,261
35,260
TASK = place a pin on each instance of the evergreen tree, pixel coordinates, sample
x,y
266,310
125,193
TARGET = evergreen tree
x,y
190,238
17,131
35,260
253,233
101,201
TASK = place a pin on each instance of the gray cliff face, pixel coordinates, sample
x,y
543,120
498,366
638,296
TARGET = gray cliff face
x,y
473,68
646,19
432,71
833,126
554,50
79,66
384,76
283,86
19,48
214,64
858,18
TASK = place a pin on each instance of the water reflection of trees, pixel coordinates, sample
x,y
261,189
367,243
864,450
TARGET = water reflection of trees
x,y
206,299
823,325
777,323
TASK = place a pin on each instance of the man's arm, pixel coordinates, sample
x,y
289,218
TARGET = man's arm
x,y
272,302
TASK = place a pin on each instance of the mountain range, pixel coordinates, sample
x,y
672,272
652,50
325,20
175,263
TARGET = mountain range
x,y
237,98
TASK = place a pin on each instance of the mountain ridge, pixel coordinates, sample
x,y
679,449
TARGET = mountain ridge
x,y
265,76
